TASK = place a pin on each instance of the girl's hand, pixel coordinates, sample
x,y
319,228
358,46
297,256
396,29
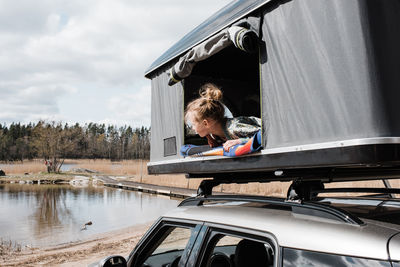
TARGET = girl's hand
x,y
230,143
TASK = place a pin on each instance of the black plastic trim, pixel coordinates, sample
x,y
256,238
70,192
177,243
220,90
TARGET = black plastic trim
x,y
362,162
320,210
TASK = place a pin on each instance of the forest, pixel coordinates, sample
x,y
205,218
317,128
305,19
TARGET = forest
x,y
56,141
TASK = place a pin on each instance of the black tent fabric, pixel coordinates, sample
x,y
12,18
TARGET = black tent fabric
x,y
322,78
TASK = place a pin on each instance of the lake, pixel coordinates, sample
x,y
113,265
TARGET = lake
x,y
41,215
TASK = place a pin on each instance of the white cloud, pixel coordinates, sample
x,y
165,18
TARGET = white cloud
x,y
54,50
132,108
53,23
33,103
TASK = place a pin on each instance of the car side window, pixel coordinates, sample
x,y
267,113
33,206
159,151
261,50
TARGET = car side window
x,y
226,250
297,257
169,248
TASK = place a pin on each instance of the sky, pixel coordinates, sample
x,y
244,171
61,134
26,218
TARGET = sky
x,y
84,61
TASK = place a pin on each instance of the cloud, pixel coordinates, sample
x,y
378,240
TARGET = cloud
x,y
50,47
132,108
33,103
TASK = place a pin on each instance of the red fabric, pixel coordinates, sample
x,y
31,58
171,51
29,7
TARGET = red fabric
x,y
212,142
244,149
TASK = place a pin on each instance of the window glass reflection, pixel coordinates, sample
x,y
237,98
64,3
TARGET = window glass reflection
x,y
296,258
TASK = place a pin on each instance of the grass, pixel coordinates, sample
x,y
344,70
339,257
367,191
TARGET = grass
x,y
8,247
136,170
124,167
18,167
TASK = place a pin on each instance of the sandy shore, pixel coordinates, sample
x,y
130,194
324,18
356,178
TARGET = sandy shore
x,y
119,242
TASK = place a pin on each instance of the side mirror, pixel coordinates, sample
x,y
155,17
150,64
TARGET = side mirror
x,y
113,261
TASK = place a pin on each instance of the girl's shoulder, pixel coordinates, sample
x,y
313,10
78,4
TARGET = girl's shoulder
x,y
243,126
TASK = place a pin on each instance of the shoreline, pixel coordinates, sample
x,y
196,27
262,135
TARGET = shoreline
x,y
118,182
88,250
120,242
79,253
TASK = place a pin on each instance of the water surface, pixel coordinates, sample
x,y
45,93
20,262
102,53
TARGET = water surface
x,y
67,167
40,215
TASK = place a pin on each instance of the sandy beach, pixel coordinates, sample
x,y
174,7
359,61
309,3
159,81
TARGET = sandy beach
x,y
119,242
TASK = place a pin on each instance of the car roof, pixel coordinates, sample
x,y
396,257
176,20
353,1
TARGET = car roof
x,y
300,231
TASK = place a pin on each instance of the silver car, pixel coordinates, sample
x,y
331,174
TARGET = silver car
x,y
235,231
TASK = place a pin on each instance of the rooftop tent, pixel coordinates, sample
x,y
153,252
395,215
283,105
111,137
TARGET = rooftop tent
x,y
324,79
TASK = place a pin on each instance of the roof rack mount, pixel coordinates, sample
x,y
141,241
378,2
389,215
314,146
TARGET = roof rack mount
x,y
299,190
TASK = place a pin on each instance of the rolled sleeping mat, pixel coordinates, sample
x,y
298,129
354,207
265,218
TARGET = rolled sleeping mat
x,y
246,147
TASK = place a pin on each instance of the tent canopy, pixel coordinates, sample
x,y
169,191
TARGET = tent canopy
x,y
220,20
325,79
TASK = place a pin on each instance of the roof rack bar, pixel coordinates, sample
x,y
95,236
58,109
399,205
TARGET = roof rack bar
x,y
387,185
315,209
359,190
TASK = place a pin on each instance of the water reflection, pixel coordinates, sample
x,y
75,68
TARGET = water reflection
x,y
51,209
53,214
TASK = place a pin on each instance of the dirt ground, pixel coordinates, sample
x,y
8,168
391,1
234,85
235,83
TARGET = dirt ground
x,y
119,242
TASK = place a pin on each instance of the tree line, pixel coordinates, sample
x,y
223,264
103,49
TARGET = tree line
x,y
54,141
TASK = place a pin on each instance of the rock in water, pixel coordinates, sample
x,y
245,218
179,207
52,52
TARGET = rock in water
x,y
2,173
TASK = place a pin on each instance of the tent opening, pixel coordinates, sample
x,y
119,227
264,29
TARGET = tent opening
x,y
237,74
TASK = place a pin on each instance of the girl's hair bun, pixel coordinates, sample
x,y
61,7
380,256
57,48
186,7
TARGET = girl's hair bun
x,y
211,92
207,106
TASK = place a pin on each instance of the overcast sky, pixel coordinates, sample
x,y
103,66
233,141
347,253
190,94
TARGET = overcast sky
x,y
84,61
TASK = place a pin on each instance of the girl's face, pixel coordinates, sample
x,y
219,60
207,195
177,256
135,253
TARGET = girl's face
x,y
200,127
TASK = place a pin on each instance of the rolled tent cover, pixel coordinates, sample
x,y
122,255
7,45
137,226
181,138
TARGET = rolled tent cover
x,y
243,35
183,68
243,38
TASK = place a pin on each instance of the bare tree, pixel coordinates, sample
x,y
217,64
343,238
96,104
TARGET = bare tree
x,y
53,143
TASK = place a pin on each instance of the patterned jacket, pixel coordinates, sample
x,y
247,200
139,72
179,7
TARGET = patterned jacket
x,y
236,128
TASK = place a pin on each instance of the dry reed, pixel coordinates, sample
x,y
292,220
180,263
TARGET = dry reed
x,y
27,166
136,170
125,167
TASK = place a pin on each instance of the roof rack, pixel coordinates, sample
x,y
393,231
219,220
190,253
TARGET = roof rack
x,y
300,190
305,208
299,196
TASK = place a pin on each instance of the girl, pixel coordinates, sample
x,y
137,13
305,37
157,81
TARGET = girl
x,y
206,115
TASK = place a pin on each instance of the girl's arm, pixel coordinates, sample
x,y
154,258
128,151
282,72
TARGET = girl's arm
x,y
230,143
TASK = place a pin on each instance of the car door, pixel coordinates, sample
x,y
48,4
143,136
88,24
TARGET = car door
x,y
167,244
227,246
